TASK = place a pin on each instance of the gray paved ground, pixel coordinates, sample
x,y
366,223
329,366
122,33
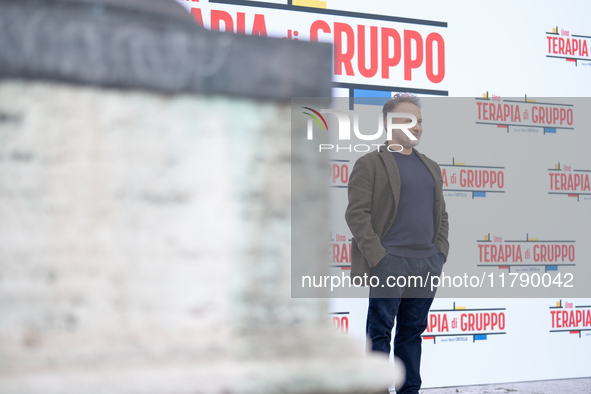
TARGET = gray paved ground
x,y
574,386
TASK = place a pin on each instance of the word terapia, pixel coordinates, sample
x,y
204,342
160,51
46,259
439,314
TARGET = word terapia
x,y
571,319
574,182
567,46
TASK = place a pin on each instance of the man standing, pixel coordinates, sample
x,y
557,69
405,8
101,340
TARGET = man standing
x,y
397,216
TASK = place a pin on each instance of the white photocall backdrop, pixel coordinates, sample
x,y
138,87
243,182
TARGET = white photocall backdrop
x,y
532,339
530,51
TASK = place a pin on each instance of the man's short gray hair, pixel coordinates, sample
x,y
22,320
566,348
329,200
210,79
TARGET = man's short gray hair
x,y
398,98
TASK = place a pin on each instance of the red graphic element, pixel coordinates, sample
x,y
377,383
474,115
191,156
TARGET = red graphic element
x,y
497,253
373,63
196,14
388,61
444,176
482,178
344,37
571,319
431,39
540,114
289,35
409,63
218,16
338,173
567,46
469,322
316,26
340,253
503,267
241,23
343,59
569,182
498,111
554,252
428,337
479,321
341,324
259,27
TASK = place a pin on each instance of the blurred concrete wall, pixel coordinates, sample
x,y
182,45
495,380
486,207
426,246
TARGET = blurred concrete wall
x,y
145,200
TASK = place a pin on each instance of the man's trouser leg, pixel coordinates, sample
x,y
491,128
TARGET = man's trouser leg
x,y
412,319
383,305
387,303
411,322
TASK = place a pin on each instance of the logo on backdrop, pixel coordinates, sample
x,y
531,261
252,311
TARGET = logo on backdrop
x,y
523,115
370,50
339,251
464,180
461,324
338,173
340,321
339,244
574,48
569,182
567,317
525,255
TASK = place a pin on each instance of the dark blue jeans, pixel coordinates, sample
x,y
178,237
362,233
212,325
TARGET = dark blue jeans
x,y
409,304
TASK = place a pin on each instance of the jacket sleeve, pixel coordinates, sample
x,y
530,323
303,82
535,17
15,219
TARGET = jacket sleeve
x,y
358,214
442,240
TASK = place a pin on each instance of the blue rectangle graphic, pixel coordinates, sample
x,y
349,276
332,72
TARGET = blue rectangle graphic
x,y
371,97
551,268
371,93
549,130
480,337
479,194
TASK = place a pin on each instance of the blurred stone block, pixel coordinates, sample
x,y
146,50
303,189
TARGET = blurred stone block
x,y
145,208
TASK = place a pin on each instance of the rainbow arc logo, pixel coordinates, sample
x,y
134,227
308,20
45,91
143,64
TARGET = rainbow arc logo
x,y
315,118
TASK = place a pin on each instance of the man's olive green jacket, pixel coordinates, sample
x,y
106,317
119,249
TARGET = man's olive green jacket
x,y
374,190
